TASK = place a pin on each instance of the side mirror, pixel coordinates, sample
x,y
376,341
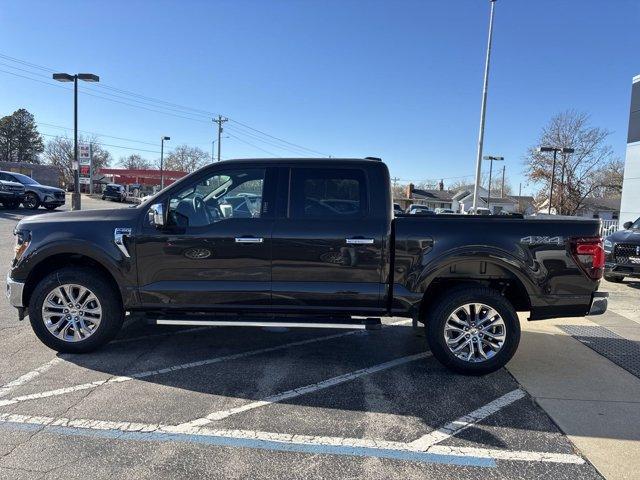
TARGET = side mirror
x,y
627,225
156,215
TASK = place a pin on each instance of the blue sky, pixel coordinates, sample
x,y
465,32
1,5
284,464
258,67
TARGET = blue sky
x,y
397,79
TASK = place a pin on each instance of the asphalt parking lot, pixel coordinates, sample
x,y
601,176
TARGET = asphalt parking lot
x,y
262,403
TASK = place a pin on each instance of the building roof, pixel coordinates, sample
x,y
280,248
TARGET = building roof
x,y
495,200
523,198
611,204
435,195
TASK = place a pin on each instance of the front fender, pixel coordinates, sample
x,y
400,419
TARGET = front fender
x,y
106,254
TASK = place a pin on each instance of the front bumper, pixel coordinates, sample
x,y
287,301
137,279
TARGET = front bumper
x,y
14,292
622,269
599,303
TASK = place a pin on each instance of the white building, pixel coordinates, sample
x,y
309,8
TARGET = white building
x,y
463,200
630,206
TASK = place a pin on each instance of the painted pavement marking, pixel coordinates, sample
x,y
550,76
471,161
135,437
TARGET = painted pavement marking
x,y
452,428
296,392
285,442
183,366
7,388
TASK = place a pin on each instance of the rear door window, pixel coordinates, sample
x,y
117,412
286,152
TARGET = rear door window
x,y
328,193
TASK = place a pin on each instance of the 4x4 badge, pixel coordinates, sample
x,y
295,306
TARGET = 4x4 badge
x,y
533,240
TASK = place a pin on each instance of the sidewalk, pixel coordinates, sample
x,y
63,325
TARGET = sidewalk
x,y
593,400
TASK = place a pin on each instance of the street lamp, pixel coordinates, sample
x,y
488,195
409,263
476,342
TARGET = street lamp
x,y
491,160
162,139
483,108
555,151
65,77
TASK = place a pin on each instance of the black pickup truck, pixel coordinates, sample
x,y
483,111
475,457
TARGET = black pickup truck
x,y
313,242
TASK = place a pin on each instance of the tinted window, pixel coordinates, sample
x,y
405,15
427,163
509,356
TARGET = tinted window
x,y
328,193
224,195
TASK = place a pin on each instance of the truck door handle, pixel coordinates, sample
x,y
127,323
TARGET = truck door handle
x,y
359,241
249,239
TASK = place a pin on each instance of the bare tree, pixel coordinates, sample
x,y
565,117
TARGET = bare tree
x,y
583,170
186,159
134,162
59,153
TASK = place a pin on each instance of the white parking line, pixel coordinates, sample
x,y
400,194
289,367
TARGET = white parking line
x,y
183,366
21,380
452,428
142,429
296,392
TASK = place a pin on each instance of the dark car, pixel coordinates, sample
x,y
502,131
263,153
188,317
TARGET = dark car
x,y
269,237
11,194
419,210
35,193
622,251
115,192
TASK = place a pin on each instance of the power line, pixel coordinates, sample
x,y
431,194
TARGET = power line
x,y
279,139
170,106
254,146
268,142
107,144
97,134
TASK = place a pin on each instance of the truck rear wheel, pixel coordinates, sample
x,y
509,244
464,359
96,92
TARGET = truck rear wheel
x,y
473,330
74,310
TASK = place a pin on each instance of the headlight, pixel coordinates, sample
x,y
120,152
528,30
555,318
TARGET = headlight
x,y
23,239
608,244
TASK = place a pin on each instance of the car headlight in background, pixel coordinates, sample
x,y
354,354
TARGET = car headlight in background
x,y
23,239
608,245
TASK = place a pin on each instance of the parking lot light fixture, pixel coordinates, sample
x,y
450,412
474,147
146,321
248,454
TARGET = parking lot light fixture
x,y
555,150
162,140
67,77
491,159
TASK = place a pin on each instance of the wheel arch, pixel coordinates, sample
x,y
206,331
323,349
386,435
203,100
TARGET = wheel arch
x,y
491,272
60,260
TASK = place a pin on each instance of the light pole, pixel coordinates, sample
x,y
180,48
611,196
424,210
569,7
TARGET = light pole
x,y
483,107
162,139
555,151
66,77
491,160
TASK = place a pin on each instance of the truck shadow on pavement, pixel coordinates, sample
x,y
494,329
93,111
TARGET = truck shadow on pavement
x,y
415,394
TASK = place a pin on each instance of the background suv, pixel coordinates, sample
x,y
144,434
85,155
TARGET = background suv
x,y
116,192
34,193
11,193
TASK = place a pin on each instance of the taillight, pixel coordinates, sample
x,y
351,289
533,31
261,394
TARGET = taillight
x,y
589,255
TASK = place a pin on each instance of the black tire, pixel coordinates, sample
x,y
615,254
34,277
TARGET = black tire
x,y
112,312
614,278
31,201
440,311
103,197
51,207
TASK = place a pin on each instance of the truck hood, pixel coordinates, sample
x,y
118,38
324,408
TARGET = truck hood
x,y
626,236
90,216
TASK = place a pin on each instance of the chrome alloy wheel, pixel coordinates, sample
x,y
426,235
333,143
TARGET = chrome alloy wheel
x,y
474,332
71,312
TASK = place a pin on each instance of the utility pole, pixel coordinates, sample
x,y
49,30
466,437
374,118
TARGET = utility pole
x,y
502,190
483,109
220,120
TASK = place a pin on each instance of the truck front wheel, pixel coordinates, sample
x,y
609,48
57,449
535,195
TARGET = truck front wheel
x,y
74,310
473,330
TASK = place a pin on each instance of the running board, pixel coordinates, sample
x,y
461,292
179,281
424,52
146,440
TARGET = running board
x,y
367,324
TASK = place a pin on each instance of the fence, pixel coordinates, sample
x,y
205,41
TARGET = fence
x,y
607,227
